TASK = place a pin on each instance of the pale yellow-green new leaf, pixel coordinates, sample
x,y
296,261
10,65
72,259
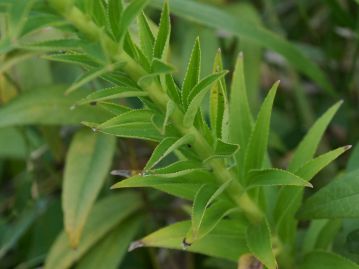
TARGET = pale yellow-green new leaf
x,y
87,164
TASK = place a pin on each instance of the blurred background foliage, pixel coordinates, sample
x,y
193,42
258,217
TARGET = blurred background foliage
x,y
38,123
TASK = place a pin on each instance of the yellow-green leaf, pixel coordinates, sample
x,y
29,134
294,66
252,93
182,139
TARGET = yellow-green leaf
x,y
87,164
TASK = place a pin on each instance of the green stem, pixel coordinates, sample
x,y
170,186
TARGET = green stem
x,y
235,192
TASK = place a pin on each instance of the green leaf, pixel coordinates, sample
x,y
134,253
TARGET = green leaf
x,y
326,260
240,117
54,45
146,36
335,200
177,169
17,16
112,93
138,130
184,186
203,221
196,95
258,141
193,72
165,147
172,90
160,67
115,209
312,167
87,164
98,11
113,108
275,177
170,108
132,116
87,77
226,241
114,10
258,238
72,58
210,220
223,150
110,251
310,142
289,199
135,52
248,30
218,102
129,14
48,106
163,34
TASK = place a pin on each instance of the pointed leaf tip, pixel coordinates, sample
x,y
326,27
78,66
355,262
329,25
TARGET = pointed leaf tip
x,y
347,147
134,245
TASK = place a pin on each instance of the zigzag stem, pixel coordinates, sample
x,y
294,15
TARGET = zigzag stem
x,y
235,191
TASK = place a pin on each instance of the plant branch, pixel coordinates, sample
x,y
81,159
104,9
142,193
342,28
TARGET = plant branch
x,y
235,192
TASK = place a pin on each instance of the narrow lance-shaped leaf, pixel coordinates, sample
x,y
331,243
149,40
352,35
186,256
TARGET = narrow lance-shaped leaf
x,y
314,166
177,169
112,93
226,241
17,16
196,96
87,164
218,102
289,199
259,243
240,117
54,45
309,144
163,34
114,108
205,196
72,58
223,150
114,10
184,186
48,106
167,146
257,145
193,72
172,90
132,116
97,9
275,177
129,13
170,108
87,77
146,36
138,130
